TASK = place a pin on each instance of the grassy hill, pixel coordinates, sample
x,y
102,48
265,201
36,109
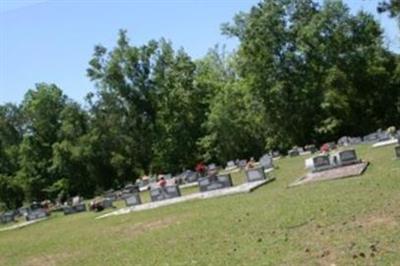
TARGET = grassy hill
x,y
354,221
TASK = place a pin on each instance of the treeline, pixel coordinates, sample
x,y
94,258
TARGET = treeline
x,y
302,74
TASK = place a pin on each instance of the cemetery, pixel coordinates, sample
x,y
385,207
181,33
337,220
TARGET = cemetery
x,y
254,204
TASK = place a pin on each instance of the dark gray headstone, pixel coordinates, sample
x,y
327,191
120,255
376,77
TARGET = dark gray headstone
x,y
8,217
80,207
36,214
191,176
215,182
311,148
255,174
111,196
133,199
321,162
345,157
162,193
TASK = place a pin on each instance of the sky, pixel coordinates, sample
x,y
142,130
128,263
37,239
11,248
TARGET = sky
x,y
52,41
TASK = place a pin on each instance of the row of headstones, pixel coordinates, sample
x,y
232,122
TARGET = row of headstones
x,y
377,136
34,212
323,162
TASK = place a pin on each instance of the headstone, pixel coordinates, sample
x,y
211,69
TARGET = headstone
x,y
321,162
276,154
373,137
355,141
255,174
168,176
7,217
230,164
191,176
133,199
345,157
311,148
215,182
266,161
23,211
111,195
343,141
383,136
294,152
162,193
397,151
80,207
242,163
36,214
130,188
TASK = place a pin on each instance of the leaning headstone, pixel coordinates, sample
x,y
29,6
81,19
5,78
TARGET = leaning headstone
x,y
266,161
162,193
255,174
132,200
215,182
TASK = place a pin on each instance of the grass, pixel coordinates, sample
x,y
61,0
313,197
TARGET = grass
x,y
354,221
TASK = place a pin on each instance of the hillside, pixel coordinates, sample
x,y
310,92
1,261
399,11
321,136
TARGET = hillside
x,y
344,222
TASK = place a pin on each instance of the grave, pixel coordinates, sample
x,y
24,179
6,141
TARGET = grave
x,y
310,148
35,214
266,161
397,151
321,163
294,152
8,217
215,182
243,188
162,193
132,199
242,163
77,206
191,176
345,157
255,174
329,167
111,194
80,207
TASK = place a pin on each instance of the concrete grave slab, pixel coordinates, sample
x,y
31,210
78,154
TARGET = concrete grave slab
x,y
23,224
332,174
243,188
385,143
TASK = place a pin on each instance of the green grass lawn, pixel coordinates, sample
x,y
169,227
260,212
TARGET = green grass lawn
x,y
354,221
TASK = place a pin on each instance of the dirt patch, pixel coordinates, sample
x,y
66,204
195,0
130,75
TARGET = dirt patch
x,y
48,259
143,227
377,221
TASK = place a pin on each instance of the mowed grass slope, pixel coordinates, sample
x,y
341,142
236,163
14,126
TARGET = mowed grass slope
x,y
354,221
